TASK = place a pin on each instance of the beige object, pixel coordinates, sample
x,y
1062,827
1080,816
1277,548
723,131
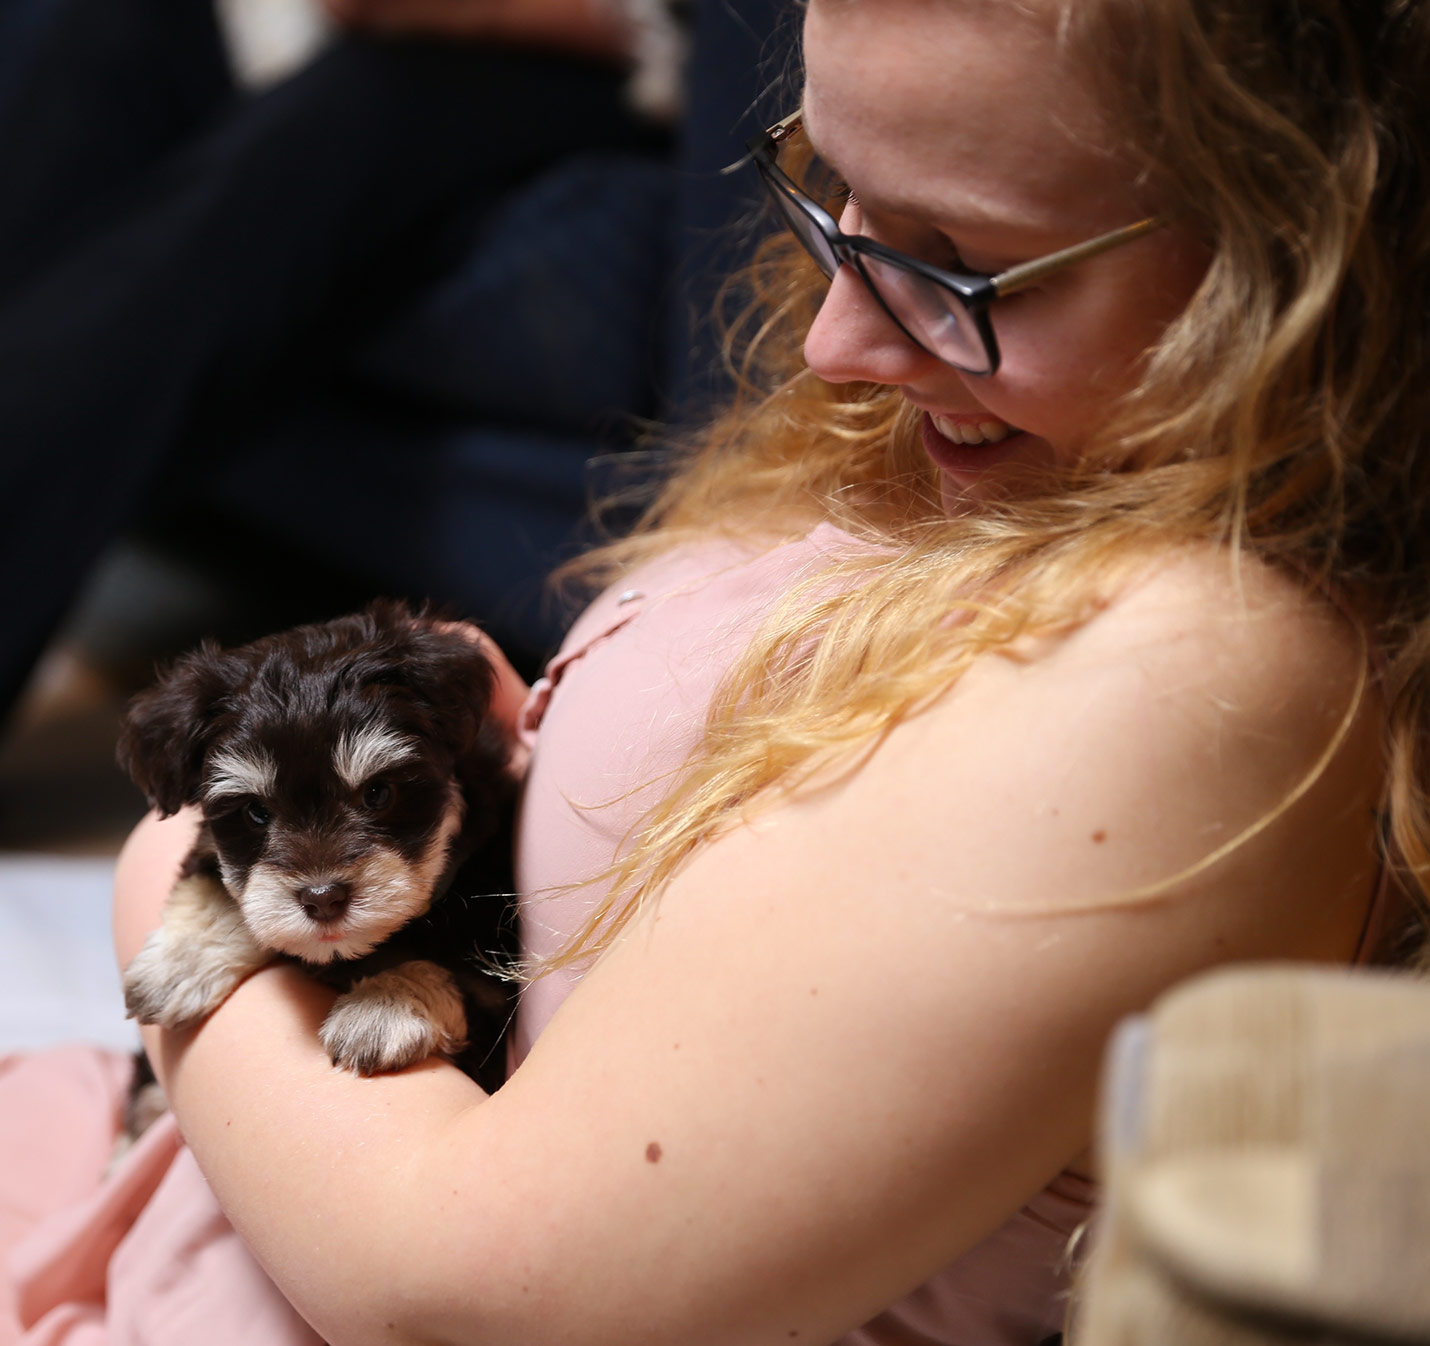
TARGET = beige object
x,y
659,49
268,39
1267,1165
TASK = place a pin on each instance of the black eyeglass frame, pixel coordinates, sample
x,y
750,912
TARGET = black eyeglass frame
x,y
974,292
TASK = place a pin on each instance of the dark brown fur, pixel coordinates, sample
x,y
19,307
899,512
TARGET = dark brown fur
x,y
287,701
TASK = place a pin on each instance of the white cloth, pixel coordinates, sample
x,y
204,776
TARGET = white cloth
x,y
58,981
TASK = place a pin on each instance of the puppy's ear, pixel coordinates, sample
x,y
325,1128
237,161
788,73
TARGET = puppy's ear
x,y
458,682
439,667
454,677
167,729
444,675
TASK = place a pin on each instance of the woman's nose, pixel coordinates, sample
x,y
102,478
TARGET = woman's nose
x,y
852,338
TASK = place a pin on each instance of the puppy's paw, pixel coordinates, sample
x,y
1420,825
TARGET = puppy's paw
x,y
178,986
396,1018
191,964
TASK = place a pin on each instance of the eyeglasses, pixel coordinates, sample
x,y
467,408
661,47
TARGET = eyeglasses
x,y
944,312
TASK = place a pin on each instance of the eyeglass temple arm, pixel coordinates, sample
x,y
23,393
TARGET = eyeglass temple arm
x,y
1030,273
786,126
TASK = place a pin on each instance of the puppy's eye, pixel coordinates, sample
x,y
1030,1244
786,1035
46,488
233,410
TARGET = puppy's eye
x,y
377,796
257,814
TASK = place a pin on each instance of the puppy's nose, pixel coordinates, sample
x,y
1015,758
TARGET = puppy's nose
x,y
326,902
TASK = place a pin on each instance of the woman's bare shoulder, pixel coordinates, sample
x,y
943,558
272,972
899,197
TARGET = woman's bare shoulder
x,y
1215,719
1252,617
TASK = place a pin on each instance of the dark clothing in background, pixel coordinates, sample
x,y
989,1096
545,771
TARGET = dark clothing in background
x,y
364,332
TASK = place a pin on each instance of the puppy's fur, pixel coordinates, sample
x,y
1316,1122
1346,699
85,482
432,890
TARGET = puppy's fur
x,y
355,806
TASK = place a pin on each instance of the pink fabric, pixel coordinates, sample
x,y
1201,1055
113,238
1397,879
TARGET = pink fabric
x,y
139,1255
145,1256
621,707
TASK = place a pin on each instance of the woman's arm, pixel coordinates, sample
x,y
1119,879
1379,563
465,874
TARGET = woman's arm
x,y
856,1034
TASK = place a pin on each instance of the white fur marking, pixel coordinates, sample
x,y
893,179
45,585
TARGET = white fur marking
x,y
231,772
387,893
372,749
190,964
395,1018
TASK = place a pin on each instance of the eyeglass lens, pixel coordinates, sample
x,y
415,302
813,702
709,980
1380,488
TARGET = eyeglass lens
x,y
930,314
806,230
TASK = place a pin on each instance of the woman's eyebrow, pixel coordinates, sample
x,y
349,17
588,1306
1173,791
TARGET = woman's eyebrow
x,y
874,202
970,220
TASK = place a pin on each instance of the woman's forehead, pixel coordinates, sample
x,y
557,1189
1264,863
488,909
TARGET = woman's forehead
x,y
960,108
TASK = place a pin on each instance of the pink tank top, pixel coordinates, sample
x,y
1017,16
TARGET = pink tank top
x,y
620,707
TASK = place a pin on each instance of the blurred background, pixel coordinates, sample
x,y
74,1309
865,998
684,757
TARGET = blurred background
x,y
304,302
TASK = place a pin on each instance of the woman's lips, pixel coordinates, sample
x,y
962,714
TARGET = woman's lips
x,y
967,446
988,430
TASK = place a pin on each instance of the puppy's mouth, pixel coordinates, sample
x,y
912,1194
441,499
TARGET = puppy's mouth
x,y
328,941
321,919
336,936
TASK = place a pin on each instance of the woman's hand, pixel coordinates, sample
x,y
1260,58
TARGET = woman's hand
x,y
592,27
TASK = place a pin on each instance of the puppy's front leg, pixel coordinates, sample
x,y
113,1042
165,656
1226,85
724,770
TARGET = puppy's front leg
x,y
191,964
395,1018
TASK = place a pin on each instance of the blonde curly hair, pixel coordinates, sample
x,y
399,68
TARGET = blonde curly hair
x,y
1285,414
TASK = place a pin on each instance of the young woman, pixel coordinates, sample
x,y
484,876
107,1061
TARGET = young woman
x,y
1055,629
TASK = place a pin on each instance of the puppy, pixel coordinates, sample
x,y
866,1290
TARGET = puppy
x,y
356,805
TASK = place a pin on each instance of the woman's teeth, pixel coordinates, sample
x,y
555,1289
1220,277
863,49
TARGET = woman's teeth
x,y
972,432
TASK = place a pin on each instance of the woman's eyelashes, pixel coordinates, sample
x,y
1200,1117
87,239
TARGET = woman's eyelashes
x,y
911,237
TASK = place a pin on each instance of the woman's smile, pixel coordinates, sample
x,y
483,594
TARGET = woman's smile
x,y
965,447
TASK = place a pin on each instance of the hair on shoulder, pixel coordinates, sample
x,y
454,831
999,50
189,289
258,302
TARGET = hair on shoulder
x,y
1284,415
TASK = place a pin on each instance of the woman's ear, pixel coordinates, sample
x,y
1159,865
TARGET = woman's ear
x,y
167,730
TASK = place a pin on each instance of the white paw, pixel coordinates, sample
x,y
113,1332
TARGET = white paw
x,y
176,984
395,1019
191,964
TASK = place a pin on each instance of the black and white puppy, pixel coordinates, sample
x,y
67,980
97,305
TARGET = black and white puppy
x,y
356,808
